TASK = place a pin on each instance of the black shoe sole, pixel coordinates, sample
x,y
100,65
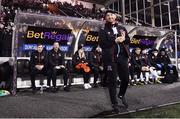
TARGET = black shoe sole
x,y
115,111
123,102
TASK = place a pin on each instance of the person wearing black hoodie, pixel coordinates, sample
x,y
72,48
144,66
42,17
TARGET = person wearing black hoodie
x,y
136,63
153,59
95,60
114,41
165,62
153,63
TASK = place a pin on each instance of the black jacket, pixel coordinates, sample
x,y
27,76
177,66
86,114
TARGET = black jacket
x,y
76,59
153,60
56,58
109,46
136,60
38,59
163,59
95,59
145,60
6,71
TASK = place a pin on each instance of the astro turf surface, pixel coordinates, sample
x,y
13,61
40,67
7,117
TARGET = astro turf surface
x,y
171,111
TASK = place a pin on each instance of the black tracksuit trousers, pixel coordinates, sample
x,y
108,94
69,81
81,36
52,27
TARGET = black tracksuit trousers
x,y
120,68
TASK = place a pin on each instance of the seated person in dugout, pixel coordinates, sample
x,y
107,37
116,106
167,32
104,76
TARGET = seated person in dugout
x,y
153,61
136,66
145,66
95,63
164,63
81,65
38,64
131,73
56,63
6,74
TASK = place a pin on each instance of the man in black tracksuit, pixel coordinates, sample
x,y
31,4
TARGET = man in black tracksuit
x,y
114,41
136,62
57,66
38,64
95,60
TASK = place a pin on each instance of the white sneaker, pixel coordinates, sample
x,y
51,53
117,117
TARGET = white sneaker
x,y
89,86
86,86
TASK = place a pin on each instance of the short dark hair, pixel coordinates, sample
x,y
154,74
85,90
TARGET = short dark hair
x,y
110,11
80,46
154,50
137,48
163,49
39,44
94,48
